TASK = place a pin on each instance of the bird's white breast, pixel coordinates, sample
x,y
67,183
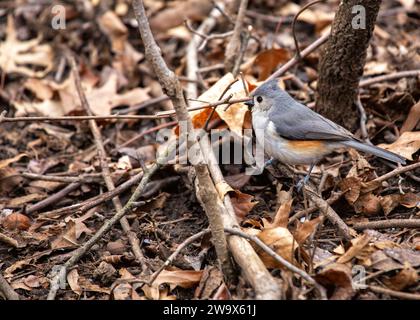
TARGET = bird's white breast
x,y
284,150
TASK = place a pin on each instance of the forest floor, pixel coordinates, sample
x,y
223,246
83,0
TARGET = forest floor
x,y
50,170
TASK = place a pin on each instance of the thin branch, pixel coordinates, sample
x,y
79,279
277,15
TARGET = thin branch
x,y
172,87
132,237
363,119
234,46
394,173
306,6
172,257
7,290
280,259
81,118
144,104
331,200
393,293
54,198
330,214
389,77
8,240
292,62
385,224
253,268
59,277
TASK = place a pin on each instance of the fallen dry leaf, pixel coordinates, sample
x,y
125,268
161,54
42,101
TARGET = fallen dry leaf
x,y
338,278
178,11
4,163
305,229
101,99
407,144
16,56
73,280
268,60
280,240
174,278
390,202
68,238
242,203
368,204
127,57
405,278
358,245
234,116
16,220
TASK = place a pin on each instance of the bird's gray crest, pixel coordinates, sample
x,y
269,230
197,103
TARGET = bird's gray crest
x,y
269,89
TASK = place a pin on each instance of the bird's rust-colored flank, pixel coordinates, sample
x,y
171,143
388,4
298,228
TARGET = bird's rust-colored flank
x,y
311,146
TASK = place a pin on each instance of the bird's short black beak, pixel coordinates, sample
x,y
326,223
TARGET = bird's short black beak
x,y
249,103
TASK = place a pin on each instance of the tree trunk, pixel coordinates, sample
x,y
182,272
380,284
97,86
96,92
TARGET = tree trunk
x,y
341,65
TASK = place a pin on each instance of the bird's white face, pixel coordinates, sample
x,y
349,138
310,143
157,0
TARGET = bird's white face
x,y
261,103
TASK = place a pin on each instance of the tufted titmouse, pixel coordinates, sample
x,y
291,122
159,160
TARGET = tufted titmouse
x,y
294,134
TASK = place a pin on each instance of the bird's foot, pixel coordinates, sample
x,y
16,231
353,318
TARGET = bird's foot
x,y
302,182
270,162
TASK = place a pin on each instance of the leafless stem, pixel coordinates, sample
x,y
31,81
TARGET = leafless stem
x,y
292,62
132,237
7,290
234,45
306,6
78,253
391,223
389,77
172,257
330,214
279,259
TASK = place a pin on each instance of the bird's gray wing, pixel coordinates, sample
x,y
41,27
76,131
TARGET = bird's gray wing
x,y
296,121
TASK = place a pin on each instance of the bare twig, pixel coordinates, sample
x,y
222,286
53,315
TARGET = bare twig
x,y
385,224
292,62
53,198
393,293
172,257
59,277
234,45
145,132
363,119
394,173
330,214
95,201
144,104
389,77
192,52
306,6
8,240
81,118
334,197
7,290
279,259
132,237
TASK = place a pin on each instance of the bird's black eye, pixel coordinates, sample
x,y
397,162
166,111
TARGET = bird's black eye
x,y
259,99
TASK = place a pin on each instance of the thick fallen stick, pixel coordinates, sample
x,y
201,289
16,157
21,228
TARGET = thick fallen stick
x,y
255,273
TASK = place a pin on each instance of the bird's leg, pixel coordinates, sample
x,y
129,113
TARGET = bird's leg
x,y
270,162
305,179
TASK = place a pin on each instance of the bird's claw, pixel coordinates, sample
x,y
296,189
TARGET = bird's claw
x,y
270,162
302,182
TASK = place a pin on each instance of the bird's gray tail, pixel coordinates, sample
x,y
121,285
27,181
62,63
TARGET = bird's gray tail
x,y
379,152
